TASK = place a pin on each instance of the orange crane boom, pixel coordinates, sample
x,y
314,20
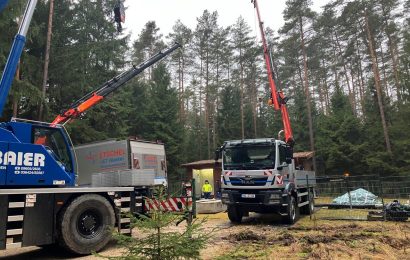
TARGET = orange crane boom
x,y
278,99
91,99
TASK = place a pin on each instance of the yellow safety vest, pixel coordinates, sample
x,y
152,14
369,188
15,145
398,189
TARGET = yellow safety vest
x,y
207,188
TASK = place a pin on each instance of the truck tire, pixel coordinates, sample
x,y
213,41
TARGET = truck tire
x,y
235,214
309,208
292,212
86,224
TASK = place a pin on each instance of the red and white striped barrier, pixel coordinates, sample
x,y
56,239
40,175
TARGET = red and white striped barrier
x,y
170,204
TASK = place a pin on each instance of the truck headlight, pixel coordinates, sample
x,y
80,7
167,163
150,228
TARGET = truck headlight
x,y
225,198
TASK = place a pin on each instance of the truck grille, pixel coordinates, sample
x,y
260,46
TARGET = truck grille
x,y
246,181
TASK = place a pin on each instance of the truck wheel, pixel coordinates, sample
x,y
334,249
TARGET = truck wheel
x,y
292,211
86,224
235,214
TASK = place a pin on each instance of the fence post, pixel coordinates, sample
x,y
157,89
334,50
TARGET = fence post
x,y
382,195
193,198
348,192
308,190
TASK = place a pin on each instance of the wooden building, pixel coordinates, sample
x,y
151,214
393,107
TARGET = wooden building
x,y
204,170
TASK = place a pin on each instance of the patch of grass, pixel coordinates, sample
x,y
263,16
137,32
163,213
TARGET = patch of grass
x,y
352,244
247,251
286,239
246,235
348,214
325,239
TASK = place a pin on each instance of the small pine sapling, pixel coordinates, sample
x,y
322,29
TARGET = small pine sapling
x,y
158,238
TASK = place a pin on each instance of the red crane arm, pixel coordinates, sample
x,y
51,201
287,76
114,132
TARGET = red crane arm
x,y
94,97
278,99
75,112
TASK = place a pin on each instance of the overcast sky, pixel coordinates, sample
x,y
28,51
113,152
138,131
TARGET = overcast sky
x,y
166,12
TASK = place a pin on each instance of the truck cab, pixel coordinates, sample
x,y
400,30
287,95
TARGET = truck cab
x,y
255,163
258,175
35,154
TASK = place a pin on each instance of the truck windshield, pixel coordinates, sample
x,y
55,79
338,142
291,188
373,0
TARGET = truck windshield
x,y
54,141
249,158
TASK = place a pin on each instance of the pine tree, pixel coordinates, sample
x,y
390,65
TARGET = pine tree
x,y
162,118
229,124
86,51
203,35
341,139
241,42
297,15
181,58
158,243
24,94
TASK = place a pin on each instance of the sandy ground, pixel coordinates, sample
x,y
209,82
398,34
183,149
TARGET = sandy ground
x,y
263,237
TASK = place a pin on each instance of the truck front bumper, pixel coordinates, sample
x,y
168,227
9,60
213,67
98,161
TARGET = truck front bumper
x,y
255,200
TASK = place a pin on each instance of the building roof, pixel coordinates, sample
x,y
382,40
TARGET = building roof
x,y
198,163
307,155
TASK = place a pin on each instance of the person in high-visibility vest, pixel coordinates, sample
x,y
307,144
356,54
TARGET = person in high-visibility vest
x,y
207,190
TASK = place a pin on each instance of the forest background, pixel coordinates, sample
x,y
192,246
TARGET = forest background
x,y
346,71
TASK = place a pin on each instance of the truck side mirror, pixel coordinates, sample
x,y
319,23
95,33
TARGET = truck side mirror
x,y
288,154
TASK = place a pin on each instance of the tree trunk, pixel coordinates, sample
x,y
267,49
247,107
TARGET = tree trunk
x,y
15,99
353,89
377,84
319,90
307,92
181,88
242,96
360,77
386,87
351,97
254,107
326,89
392,53
335,72
208,107
216,105
200,110
46,62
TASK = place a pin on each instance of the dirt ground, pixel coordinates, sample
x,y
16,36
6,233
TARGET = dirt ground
x,y
263,237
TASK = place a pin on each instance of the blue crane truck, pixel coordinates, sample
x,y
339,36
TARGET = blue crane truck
x,y
40,202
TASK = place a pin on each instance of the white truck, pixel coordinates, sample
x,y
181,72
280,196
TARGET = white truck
x,y
98,162
258,175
